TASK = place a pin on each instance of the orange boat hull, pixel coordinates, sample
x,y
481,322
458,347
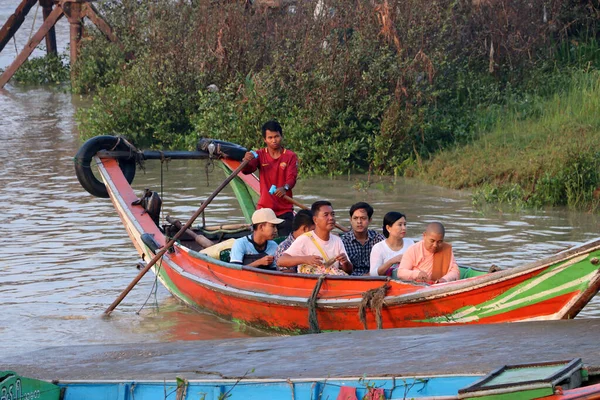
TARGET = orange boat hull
x,y
554,288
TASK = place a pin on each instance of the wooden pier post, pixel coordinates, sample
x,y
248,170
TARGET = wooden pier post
x,y
75,10
51,36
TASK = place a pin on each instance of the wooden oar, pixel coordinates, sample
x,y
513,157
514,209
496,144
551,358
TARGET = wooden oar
x,y
302,206
200,239
166,247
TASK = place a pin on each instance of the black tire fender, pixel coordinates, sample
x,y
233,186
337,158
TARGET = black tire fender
x,y
83,160
227,149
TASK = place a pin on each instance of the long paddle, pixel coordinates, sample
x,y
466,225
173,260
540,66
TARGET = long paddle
x,y
177,235
302,206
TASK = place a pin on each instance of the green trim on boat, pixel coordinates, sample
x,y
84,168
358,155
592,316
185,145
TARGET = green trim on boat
x,y
553,282
243,194
164,277
468,272
520,395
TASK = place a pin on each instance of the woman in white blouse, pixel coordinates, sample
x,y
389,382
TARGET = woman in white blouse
x,y
389,251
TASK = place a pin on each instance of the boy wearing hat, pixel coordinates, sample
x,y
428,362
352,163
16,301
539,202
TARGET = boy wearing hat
x,y
257,250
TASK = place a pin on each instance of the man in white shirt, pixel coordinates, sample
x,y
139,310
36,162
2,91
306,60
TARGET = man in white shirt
x,y
319,248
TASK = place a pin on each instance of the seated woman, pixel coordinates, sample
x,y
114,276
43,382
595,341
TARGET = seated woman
x,y
389,251
431,260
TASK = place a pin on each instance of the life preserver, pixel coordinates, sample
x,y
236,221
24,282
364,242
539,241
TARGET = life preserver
x,y
226,149
84,156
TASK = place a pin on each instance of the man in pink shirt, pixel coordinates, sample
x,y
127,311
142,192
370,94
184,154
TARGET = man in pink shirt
x,y
431,259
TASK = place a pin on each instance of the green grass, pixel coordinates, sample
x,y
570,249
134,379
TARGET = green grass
x,y
539,152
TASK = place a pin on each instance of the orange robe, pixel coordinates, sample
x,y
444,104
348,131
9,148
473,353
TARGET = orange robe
x,y
439,265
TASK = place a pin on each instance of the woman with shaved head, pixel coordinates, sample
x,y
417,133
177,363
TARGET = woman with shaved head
x,y
431,259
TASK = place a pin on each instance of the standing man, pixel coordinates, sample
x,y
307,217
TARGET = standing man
x,y
360,240
318,251
278,168
431,259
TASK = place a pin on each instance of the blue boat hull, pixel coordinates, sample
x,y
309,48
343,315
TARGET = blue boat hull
x,y
394,388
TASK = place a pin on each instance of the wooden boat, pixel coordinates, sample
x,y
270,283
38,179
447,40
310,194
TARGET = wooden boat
x,y
549,380
557,287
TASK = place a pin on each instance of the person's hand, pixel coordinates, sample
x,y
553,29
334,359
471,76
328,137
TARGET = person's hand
x,y
342,259
422,277
266,261
396,259
280,192
441,280
248,156
313,260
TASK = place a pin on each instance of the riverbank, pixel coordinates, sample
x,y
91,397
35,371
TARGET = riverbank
x,y
544,153
475,349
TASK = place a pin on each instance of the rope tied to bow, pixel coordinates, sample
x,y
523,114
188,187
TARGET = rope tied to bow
x,y
313,322
373,299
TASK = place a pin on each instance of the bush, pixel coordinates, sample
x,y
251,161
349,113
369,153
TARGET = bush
x,y
358,86
50,69
100,64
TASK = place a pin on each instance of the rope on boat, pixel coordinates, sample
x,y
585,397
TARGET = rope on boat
x,y
313,322
494,268
134,153
116,144
373,299
153,290
289,382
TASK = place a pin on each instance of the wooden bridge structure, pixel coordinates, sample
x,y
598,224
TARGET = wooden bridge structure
x,y
53,10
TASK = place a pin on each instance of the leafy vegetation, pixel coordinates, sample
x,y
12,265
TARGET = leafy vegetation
x,y
50,69
542,152
428,89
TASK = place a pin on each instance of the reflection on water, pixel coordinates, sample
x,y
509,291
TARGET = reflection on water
x,y
66,257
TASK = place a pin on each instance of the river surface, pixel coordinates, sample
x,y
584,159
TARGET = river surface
x,y
65,254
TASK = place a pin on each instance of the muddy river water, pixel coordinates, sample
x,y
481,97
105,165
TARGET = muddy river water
x,y
65,255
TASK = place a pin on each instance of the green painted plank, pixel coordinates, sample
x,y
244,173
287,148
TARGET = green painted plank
x,y
13,386
243,194
519,395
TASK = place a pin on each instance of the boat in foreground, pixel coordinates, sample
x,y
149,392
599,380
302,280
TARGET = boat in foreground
x,y
557,287
548,380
